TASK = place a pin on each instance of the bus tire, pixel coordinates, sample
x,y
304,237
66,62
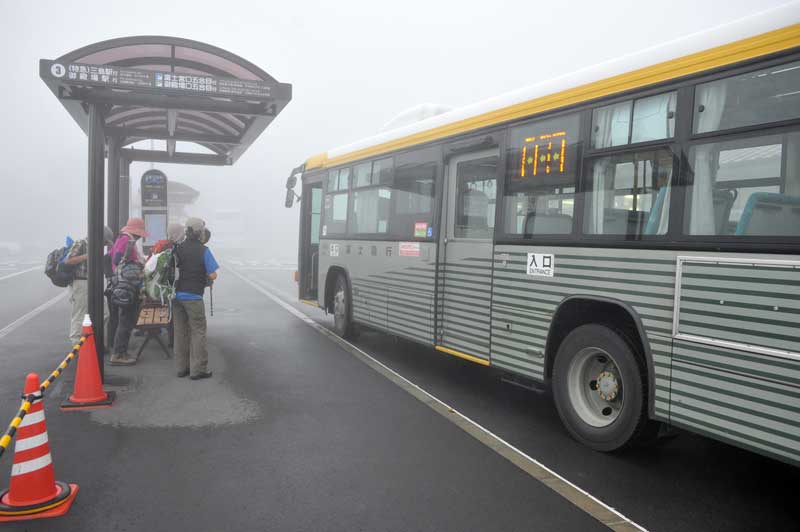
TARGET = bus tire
x,y
343,309
600,389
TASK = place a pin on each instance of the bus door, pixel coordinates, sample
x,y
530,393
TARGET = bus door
x,y
308,265
465,269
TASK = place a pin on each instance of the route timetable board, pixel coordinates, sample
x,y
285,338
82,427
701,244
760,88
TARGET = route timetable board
x,y
121,77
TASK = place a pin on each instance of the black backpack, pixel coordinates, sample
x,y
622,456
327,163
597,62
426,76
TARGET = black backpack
x,y
126,281
60,274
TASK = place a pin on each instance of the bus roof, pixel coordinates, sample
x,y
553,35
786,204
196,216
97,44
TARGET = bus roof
x,y
770,31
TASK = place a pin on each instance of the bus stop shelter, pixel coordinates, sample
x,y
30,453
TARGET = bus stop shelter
x,y
180,91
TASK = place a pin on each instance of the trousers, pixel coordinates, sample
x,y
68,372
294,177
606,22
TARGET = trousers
x,y
79,297
189,320
126,321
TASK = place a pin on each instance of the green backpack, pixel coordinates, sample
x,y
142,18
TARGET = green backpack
x,y
159,277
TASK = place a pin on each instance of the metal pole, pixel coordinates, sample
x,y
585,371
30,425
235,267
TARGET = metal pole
x,y
113,195
95,234
124,190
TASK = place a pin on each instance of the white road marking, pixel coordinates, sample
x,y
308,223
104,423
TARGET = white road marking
x,y
19,273
619,522
11,327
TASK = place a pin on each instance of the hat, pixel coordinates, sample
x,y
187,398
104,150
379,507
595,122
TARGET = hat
x,y
108,234
195,224
175,231
135,226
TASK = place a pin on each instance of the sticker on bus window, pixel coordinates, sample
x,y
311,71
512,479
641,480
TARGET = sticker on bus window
x,y
420,229
409,249
430,231
541,264
324,230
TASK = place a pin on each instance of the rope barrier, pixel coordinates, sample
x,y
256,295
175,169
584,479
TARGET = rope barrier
x,y
28,400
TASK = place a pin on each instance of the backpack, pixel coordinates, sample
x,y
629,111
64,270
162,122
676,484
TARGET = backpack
x,y
159,276
126,281
60,274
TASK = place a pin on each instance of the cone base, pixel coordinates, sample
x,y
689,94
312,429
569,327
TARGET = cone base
x,y
57,506
69,404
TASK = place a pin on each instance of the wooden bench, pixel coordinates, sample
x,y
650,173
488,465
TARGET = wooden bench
x,y
153,318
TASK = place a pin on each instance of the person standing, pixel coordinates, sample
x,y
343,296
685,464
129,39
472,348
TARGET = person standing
x,y
196,268
124,251
78,258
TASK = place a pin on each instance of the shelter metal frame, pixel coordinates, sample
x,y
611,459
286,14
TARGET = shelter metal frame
x,y
126,90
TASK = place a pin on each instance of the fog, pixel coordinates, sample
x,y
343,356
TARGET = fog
x,y
353,66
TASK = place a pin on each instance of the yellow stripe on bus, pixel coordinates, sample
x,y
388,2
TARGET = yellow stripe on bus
x,y
459,354
727,54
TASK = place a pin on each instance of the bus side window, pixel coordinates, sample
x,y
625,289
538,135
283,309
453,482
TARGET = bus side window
x,y
629,194
540,176
476,196
745,187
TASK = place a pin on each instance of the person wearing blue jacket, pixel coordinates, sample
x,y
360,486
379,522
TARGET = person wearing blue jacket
x,y
196,268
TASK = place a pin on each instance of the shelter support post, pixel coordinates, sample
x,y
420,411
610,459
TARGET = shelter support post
x,y
95,234
113,196
124,190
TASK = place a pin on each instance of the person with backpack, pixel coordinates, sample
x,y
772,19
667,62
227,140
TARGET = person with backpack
x,y
196,268
76,261
126,283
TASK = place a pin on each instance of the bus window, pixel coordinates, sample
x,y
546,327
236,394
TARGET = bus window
x,y
476,194
316,209
413,189
335,212
745,187
540,181
370,210
768,95
629,194
651,118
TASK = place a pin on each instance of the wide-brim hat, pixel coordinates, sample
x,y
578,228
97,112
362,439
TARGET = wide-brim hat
x,y
135,226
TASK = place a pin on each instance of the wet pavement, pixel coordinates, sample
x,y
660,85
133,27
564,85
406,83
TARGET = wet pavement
x,y
687,482
292,433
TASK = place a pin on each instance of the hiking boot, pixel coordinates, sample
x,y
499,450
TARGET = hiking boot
x,y
182,374
199,376
121,360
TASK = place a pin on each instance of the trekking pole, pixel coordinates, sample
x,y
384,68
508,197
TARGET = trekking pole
x,y
211,293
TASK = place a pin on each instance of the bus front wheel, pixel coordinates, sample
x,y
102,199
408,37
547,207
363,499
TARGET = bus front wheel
x,y
342,309
600,389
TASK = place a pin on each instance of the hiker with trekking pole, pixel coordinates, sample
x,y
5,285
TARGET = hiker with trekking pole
x,y
195,268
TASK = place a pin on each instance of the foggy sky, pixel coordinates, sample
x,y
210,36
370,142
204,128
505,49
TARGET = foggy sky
x,y
354,65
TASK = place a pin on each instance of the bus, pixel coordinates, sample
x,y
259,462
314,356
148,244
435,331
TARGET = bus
x,y
626,237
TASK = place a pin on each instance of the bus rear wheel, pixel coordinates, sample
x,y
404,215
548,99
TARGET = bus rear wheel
x,y
342,309
600,389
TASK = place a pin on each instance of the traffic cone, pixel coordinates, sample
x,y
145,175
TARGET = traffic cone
x,y
33,492
88,392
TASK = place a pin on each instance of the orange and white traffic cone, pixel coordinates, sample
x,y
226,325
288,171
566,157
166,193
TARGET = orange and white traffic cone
x,y
33,492
88,392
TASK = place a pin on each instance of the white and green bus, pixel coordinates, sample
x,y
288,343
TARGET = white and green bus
x,y
627,236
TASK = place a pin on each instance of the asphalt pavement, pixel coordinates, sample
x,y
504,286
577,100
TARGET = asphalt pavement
x,y
686,482
292,432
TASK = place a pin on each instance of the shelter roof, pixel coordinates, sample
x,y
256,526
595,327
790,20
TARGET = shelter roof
x,y
172,89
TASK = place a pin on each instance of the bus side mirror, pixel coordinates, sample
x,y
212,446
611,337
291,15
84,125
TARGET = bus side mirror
x,y
289,198
291,181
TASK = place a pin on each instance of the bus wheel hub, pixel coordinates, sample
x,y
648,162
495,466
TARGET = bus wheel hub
x,y
607,386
